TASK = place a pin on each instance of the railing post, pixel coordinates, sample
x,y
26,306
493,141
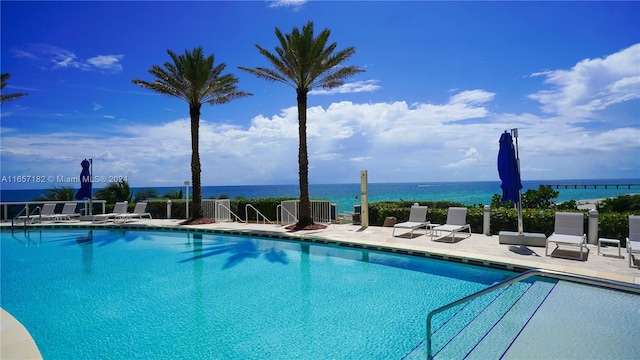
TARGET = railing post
x,y
486,217
592,237
168,209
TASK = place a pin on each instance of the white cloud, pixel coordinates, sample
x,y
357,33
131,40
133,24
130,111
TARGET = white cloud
x,y
287,3
52,57
107,62
472,97
592,84
394,141
354,87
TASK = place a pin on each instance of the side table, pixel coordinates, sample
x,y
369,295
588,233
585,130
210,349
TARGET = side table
x,y
609,241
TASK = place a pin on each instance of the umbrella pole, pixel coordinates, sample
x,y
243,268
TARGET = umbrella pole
x,y
91,192
514,134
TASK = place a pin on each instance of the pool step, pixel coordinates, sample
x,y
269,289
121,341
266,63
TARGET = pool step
x,y
485,327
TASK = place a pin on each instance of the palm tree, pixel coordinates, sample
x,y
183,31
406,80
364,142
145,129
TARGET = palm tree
x,y
121,191
8,97
115,192
304,62
173,194
195,79
63,193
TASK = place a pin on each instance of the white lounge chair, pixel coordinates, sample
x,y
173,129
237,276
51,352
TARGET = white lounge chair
x,y
456,222
139,211
633,241
119,209
68,212
417,220
568,230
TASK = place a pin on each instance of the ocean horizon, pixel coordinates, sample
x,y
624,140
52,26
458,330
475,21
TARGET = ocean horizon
x,y
345,196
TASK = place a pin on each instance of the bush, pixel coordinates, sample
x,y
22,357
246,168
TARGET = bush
x,y
620,204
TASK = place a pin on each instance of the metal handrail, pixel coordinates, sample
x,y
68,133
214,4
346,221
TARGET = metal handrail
x,y
231,212
588,280
258,213
280,207
27,217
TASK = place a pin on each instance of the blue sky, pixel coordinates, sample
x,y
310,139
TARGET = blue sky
x,y
442,81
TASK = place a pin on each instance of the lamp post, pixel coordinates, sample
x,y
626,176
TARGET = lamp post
x,y
186,188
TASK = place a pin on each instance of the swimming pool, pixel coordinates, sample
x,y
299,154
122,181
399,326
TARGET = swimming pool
x,y
115,293
160,294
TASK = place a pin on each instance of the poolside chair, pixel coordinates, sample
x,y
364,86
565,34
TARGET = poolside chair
x,y
568,230
68,212
456,222
119,209
417,220
139,211
633,241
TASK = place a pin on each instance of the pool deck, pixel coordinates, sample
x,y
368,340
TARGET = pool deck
x,y
16,343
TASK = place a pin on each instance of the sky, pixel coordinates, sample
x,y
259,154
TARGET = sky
x,y
441,82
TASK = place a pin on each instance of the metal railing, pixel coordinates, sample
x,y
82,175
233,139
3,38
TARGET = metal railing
x,y
281,209
587,280
28,216
258,215
221,207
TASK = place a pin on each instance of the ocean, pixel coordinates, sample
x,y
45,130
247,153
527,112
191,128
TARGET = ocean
x,y
348,195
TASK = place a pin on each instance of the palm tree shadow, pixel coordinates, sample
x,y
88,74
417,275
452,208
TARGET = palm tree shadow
x,y
276,256
244,249
240,251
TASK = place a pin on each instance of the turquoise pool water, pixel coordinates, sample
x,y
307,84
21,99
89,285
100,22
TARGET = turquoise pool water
x,y
116,294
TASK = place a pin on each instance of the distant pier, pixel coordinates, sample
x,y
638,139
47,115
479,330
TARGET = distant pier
x,y
590,186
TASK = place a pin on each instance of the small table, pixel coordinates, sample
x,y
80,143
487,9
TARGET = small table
x,y
609,241
430,227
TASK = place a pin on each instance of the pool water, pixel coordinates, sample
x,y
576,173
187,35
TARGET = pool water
x,y
177,295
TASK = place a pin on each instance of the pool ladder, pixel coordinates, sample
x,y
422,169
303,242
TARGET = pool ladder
x,y
38,209
588,280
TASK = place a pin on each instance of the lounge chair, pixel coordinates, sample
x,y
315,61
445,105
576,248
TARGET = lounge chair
x,y
633,241
119,209
68,212
456,222
139,211
568,230
417,220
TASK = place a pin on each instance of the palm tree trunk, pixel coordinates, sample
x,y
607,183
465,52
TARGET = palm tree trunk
x,y
303,162
196,205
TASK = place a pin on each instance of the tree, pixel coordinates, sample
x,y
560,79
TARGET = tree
x,y
8,97
121,191
304,62
195,79
63,193
115,192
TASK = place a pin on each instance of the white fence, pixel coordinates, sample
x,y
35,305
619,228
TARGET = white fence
x,y
218,209
320,211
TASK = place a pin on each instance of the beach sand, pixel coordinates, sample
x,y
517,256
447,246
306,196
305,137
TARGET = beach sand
x,y
588,204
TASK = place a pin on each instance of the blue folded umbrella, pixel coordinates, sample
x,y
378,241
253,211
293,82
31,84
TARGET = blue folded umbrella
x,y
85,181
509,170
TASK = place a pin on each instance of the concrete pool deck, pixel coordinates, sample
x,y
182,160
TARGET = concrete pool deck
x,y
16,343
